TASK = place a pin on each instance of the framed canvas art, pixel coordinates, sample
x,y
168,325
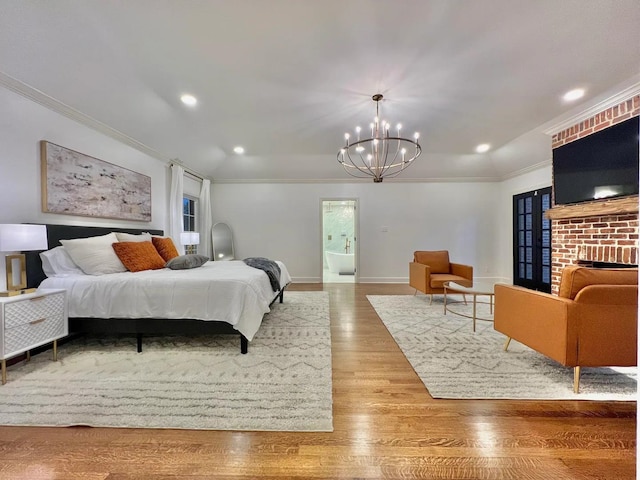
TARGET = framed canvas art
x,y
76,184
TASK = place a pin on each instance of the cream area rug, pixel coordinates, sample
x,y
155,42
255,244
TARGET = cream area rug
x,y
283,383
454,362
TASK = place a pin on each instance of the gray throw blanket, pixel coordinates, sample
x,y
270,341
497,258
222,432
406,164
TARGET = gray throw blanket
x,y
270,267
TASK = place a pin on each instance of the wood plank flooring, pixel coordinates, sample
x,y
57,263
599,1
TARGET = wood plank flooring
x,y
386,426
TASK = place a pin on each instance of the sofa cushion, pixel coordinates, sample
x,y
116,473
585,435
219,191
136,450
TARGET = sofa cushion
x,y
575,278
438,279
438,261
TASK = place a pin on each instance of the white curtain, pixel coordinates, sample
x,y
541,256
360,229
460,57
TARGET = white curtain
x,y
175,206
204,214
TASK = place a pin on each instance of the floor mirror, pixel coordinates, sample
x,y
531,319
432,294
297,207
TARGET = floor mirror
x,y
222,242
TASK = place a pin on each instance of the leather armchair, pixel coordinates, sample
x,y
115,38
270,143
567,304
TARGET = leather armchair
x,y
592,322
430,269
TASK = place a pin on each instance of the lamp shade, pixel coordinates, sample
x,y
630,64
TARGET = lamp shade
x,y
21,237
189,238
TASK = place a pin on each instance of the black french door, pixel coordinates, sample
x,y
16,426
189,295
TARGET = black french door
x,y
532,240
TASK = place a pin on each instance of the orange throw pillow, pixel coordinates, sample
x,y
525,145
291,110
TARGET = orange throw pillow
x,y
165,247
138,256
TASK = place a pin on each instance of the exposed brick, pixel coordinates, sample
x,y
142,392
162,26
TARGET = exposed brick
x,y
626,255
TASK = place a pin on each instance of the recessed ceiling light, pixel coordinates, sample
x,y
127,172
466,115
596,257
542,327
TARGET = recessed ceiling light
x,y
189,99
574,94
239,150
483,147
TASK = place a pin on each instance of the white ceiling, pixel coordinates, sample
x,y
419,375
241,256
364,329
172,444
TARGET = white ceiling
x,y
287,78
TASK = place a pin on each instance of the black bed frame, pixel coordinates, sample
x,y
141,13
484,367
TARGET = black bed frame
x,y
137,326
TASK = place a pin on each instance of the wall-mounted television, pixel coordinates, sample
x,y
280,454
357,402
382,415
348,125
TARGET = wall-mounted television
x,y
601,165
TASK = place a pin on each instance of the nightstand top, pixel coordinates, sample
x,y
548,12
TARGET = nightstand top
x,y
27,296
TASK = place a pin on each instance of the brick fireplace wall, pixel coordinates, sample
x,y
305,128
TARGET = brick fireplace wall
x,y
593,237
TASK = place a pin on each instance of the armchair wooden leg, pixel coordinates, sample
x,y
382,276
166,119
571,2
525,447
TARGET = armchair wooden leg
x,y
576,379
506,344
431,299
416,292
464,297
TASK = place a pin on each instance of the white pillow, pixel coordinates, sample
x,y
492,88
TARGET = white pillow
x,y
129,237
58,262
95,255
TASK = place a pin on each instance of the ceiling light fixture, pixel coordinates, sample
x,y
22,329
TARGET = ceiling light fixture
x,y
380,156
574,94
483,147
239,150
189,99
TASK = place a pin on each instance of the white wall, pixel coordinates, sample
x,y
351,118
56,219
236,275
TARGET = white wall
x,y
539,178
23,124
282,221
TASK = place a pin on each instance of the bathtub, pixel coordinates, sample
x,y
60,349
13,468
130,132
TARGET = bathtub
x,y
343,263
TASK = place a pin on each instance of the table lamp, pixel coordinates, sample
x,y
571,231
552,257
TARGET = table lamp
x,y
189,239
19,238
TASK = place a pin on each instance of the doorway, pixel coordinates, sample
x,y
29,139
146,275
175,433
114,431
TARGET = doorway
x,y
532,240
339,218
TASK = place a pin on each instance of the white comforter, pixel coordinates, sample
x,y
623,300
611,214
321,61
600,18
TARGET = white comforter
x,y
228,291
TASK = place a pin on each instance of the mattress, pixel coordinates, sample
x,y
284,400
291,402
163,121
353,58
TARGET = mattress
x,y
228,291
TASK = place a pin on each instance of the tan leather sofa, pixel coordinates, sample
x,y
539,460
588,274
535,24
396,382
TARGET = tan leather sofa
x,y
430,269
592,322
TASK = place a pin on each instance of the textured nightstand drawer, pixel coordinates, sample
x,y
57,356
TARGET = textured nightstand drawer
x,y
37,308
29,335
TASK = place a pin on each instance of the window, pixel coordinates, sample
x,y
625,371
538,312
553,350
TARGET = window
x,y
189,206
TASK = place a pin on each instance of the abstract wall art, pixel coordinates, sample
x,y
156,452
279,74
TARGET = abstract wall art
x,y
76,184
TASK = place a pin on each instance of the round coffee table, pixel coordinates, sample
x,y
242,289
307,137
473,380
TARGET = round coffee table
x,y
479,288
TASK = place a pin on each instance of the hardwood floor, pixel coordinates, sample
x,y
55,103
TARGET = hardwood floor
x,y
385,426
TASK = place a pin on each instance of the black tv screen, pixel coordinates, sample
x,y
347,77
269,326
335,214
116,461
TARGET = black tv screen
x,y
601,165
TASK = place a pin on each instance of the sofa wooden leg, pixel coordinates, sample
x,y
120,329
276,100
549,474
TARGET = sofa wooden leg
x,y
576,379
506,344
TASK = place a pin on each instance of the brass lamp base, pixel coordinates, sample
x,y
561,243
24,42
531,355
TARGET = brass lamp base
x,y
16,276
11,293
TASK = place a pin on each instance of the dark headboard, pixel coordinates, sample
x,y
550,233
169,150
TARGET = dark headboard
x,y
55,233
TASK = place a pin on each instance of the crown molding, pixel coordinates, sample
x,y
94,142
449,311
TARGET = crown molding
x,y
51,103
355,181
622,96
529,169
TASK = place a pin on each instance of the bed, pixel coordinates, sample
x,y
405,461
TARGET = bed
x,y
218,297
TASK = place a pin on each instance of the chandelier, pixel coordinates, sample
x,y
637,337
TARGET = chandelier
x,y
380,156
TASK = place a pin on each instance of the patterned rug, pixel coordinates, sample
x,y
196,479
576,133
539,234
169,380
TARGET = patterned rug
x,y
454,362
283,383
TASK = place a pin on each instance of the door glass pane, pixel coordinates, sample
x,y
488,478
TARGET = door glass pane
x,y
528,221
546,256
546,202
529,238
520,206
521,254
546,275
529,258
521,238
529,272
546,238
521,270
528,204
521,222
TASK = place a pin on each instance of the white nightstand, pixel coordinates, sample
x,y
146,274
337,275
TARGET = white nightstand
x,y
30,320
